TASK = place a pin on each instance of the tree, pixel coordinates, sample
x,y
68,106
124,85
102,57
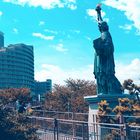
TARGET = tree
x,y
127,107
132,88
70,97
9,96
120,113
13,125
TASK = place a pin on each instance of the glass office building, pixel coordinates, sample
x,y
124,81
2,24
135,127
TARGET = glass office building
x,y
43,87
16,66
1,39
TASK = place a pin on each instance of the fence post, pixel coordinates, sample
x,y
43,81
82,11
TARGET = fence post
x,y
122,130
85,131
83,134
127,132
55,129
43,113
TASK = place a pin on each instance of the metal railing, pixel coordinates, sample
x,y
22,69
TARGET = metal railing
x,y
61,115
61,129
54,129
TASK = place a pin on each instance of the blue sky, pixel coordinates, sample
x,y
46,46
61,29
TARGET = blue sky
x,y
62,32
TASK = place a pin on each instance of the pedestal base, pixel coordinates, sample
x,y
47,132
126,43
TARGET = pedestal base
x,y
93,101
112,99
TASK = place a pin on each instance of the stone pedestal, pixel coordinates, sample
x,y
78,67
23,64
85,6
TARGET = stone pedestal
x,y
112,99
93,101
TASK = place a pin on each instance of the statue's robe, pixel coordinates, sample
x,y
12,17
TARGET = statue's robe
x,y
104,59
104,66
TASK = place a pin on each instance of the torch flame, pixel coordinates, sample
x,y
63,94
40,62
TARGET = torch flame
x,y
99,5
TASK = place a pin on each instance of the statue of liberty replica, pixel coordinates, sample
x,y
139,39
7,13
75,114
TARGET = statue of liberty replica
x,y
108,86
104,66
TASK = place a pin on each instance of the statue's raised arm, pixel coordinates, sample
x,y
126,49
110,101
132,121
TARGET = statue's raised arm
x,y
103,26
99,16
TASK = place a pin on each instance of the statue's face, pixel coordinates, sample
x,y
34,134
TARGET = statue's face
x,y
103,26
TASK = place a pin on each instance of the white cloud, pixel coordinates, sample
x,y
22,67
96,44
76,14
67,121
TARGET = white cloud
x,y
51,31
15,30
41,23
59,47
106,19
88,38
42,36
93,13
59,75
46,4
1,13
72,6
130,8
75,31
129,71
127,27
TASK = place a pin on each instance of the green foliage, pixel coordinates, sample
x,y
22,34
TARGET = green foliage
x,y
103,112
127,107
70,97
12,94
15,126
132,88
122,112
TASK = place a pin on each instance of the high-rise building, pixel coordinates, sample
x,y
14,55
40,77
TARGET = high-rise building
x,y
16,66
43,87
1,39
